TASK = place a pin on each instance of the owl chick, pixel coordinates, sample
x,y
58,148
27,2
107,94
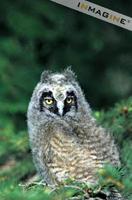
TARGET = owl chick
x,y
65,139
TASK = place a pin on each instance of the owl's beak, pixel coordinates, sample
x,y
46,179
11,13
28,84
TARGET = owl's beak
x,y
60,106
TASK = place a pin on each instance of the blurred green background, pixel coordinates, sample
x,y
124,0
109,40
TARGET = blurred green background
x,y
39,35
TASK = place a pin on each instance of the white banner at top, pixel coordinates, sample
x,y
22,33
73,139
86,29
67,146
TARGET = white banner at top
x,y
99,12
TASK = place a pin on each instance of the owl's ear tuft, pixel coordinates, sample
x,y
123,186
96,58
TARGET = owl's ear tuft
x,y
69,74
45,75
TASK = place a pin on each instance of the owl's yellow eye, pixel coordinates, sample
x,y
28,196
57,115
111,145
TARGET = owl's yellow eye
x,y
49,101
69,100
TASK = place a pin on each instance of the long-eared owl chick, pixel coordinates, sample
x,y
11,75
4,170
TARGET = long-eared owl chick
x,y
65,140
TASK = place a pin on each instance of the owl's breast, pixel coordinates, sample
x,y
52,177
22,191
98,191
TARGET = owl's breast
x,y
69,159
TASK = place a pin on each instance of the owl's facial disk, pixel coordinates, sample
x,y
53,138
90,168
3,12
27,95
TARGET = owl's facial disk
x,y
60,104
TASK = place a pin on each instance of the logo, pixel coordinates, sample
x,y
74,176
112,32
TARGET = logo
x,y
99,12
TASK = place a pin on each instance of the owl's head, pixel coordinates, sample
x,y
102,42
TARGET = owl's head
x,y
58,94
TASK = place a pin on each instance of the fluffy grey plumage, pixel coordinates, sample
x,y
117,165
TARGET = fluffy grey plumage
x,y
65,140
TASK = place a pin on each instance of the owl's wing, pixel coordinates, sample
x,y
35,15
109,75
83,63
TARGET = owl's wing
x,y
98,141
